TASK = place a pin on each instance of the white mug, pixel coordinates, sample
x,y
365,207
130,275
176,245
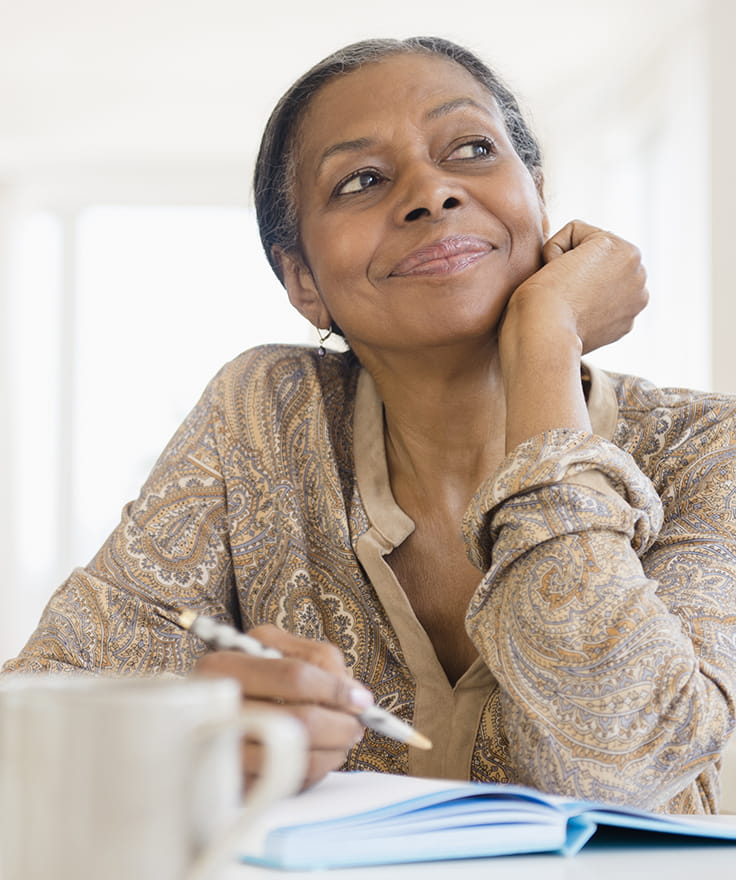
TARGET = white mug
x,y
131,779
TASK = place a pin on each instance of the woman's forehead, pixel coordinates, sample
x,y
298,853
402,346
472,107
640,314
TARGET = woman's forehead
x,y
392,84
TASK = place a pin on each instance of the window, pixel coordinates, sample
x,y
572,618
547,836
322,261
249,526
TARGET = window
x,y
121,315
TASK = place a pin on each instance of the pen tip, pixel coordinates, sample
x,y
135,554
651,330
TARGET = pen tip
x,y
419,742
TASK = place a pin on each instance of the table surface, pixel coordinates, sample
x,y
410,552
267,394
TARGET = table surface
x,y
678,861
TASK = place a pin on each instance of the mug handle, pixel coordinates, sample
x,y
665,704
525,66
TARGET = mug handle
x,y
285,760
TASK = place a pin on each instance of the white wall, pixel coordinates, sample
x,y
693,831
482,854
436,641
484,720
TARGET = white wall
x,y
8,561
637,162
721,27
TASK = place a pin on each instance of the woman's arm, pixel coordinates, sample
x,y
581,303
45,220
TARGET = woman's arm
x,y
172,550
616,656
586,295
615,649
169,550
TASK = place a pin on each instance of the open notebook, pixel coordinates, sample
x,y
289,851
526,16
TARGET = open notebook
x,y
353,819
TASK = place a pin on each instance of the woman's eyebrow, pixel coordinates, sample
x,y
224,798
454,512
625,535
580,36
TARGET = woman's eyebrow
x,y
353,146
456,104
344,147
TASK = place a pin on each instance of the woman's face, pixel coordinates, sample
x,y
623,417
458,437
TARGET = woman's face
x,y
417,218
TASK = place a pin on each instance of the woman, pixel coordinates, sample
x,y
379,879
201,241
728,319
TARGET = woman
x,y
537,570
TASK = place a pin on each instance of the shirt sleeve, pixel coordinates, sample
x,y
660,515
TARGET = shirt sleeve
x,y
608,620
169,551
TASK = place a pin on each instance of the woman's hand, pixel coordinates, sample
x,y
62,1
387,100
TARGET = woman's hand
x,y
588,292
592,282
311,683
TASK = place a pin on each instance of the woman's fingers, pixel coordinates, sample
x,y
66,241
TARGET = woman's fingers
x,y
330,735
591,279
288,680
310,683
570,236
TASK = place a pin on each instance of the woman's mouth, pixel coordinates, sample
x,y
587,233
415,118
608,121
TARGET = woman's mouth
x,y
445,257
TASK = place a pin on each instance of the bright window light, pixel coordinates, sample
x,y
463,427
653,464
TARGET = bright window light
x,y
165,296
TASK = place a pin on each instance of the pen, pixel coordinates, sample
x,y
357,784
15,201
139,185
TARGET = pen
x,y
220,636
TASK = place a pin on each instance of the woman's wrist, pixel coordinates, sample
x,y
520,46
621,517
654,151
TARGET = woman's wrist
x,y
536,319
540,358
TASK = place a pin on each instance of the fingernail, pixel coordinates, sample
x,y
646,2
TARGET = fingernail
x,y
361,698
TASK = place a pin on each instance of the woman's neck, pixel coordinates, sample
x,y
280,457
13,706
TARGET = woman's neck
x,y
444,421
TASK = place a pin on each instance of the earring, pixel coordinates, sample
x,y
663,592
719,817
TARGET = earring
x,y
322,351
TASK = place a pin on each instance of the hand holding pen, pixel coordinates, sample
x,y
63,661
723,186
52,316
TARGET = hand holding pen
x,y
307,679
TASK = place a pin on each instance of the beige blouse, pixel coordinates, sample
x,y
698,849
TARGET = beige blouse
x,y
435,700
605,616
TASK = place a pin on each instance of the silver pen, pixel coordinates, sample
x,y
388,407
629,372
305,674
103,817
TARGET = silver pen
x,y
222,637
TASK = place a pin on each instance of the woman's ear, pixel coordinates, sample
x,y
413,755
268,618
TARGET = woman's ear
x,y
301,287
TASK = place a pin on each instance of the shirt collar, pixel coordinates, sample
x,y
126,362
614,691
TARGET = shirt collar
x,y
371,466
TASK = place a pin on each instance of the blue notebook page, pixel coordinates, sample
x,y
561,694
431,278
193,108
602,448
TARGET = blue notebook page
x,y
362,819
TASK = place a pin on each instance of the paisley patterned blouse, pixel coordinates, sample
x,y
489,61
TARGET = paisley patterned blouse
x,y
605,616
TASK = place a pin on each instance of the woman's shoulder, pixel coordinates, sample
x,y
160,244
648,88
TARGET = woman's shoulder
x,y
673,415
270,379
635,394
274,363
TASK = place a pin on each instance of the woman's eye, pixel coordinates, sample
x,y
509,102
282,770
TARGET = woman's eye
x,y
477,149
358,182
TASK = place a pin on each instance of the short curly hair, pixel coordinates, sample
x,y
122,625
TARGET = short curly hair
x,y
275,171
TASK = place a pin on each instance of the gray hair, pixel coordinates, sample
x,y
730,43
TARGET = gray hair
x,y
275,171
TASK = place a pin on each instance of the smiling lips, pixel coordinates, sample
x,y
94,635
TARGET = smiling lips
x,y
445,257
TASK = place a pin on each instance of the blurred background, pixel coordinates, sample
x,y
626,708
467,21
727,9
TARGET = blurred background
x,y
130,268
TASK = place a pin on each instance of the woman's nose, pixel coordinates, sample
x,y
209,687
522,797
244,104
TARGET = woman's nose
x,y
416,213
428,193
